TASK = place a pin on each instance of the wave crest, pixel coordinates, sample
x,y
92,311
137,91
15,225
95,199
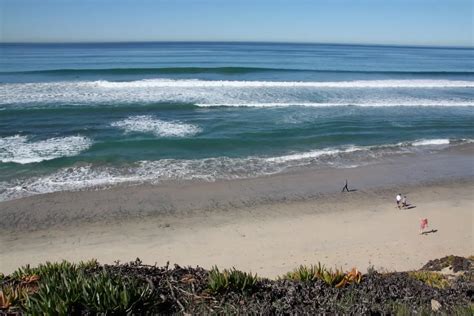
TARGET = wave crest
x,y
195,83
240,93
431,142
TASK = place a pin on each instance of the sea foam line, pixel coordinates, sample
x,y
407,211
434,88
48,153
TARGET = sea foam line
x,y
236,93
381,103
149,124
207,169
428,142
195,83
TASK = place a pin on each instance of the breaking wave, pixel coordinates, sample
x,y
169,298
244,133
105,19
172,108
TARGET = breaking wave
x,y
380,103
192,83
241,93
18,149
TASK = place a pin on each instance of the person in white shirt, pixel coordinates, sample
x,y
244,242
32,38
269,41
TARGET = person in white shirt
x,y
399,199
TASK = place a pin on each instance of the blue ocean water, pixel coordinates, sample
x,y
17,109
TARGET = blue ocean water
x,y
76,116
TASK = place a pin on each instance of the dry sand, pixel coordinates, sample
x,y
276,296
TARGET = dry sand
x,y
267,225
353,229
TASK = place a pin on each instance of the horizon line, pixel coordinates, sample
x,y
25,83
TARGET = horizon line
x,y
238,42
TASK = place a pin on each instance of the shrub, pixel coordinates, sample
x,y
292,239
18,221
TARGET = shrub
x,y
56,267
302,273
43,269
334,278
65,288
58,290
112,293
353,276
11,295
71,291
218,281
231,280
432,279
305,273
89,264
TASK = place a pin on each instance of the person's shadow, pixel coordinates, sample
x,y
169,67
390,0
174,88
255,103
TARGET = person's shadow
x,y
429,232
409,207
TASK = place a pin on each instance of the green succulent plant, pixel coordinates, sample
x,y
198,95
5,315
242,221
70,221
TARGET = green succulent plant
x,y
313,272
303,273
231,280
430,278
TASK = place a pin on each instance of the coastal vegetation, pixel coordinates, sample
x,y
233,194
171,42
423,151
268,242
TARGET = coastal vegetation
x,y
87,288
433,279
335,278
232,279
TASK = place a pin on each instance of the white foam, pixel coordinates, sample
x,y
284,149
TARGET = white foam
x,y
429,142
17,149
270,104
194,83
207,169
380,103
315,154
238,93
148,124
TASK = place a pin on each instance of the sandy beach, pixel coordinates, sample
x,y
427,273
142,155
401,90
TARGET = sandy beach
x,y
267,225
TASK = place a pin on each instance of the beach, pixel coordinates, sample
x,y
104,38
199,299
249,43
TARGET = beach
x,y
267,225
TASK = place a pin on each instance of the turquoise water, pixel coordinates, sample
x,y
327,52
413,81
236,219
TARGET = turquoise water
x,y
78,116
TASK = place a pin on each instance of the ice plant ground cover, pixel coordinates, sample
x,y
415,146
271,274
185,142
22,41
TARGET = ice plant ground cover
x,y
443,286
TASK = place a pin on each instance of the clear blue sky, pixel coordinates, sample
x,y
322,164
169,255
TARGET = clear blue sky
x,y
414,22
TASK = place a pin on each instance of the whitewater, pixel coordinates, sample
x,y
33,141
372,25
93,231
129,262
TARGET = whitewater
x,y
242,93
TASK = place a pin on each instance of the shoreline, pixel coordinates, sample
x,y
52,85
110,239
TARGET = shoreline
x,y
266,225
123,202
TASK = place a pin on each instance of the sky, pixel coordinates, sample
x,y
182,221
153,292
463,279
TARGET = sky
x,y
399,22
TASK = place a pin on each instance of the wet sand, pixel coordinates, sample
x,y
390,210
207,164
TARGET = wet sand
x,y
267,225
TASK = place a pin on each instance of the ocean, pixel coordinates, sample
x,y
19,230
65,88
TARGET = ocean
x,y
87,116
